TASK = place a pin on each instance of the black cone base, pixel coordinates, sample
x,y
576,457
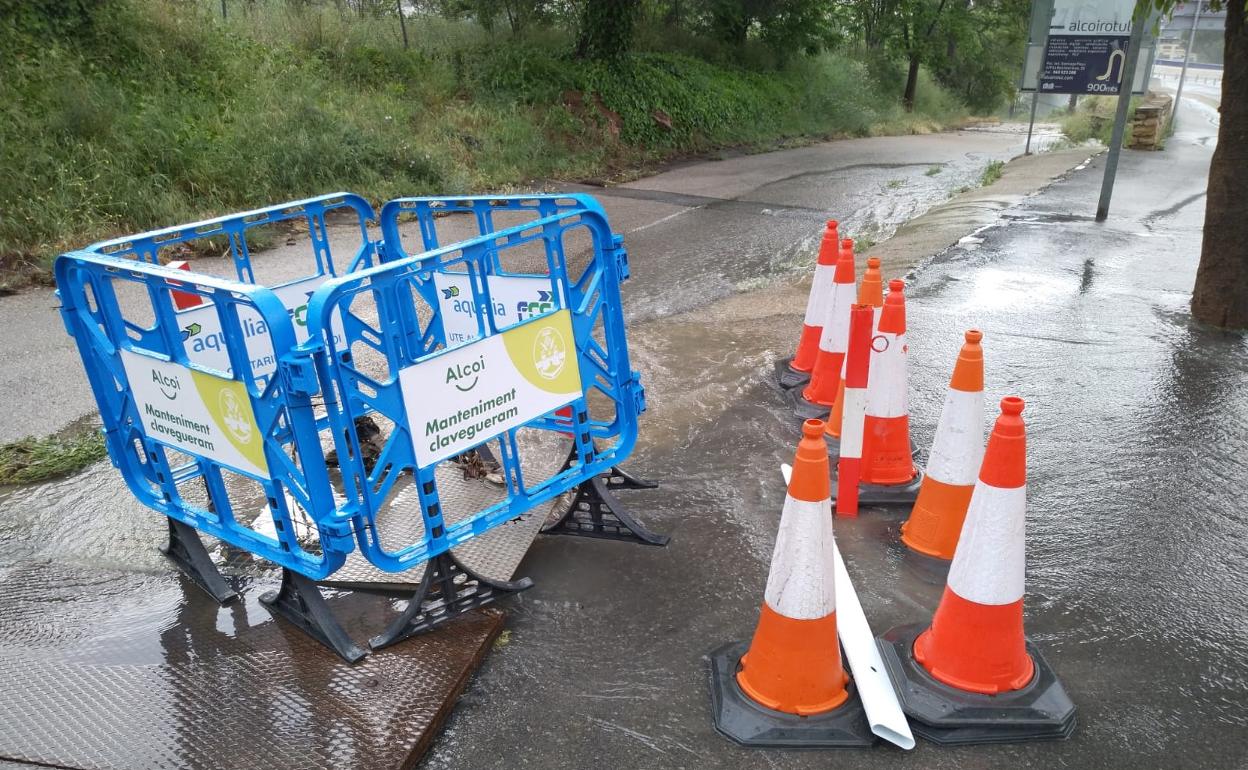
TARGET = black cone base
x,y
747,723
789,378
885,495
808,410
948,716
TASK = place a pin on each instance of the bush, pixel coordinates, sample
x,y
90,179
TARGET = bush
x,y
1093,120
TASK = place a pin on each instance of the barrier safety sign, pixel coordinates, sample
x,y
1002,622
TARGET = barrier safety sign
x,y
489,386
514,298
196,412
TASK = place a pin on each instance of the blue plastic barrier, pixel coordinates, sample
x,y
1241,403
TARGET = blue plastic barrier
x,y
227,391
169,421
206,344
391,314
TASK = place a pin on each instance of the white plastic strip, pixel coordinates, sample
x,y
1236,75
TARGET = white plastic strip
x,y
990,562
958,449
879,699
820,288
800,581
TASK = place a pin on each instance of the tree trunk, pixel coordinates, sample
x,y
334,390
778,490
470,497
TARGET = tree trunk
x,y
912,83
606,28
1220,296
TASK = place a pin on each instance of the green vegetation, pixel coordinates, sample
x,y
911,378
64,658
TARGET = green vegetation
x,y
32,460
122,115
1093,119
933,171
992,172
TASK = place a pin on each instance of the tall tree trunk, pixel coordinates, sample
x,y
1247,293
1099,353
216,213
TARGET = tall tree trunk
x,y
1220,296
912,83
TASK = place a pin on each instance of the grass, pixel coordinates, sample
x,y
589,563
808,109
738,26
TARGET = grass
x,y
933,171
1093,120
32,460
158,112
992,172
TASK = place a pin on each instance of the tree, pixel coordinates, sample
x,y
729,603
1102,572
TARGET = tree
x,y
1220,296
918,38
606,28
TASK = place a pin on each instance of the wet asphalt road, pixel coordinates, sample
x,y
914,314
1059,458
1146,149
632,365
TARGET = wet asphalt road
x,y
1137,421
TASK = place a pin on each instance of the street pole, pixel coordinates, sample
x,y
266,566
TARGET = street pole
x,y
1035,97
1191,42
1125,86
402,24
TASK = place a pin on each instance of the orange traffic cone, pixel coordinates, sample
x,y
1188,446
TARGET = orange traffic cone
x,y
870,292
971,677
888,474
825,379
789,689
957,451
184,300
796,370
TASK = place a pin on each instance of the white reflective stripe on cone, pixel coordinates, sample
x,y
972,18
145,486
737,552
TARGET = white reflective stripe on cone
x,y
990,561
852,415
958,449
835,335
820,288
800,584
886,380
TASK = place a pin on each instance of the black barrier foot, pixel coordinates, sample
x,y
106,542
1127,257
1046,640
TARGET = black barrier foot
x,y
750,724
187,551
595,512
789,378
299,602
1041,710
447,590
621,479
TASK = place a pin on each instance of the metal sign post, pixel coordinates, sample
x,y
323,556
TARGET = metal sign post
x,y
1120,118
1187,56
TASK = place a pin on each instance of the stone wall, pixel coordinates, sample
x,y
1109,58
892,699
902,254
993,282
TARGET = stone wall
x,y
1148,124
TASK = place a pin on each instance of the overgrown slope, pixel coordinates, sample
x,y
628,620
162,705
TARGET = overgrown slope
x,y
121,115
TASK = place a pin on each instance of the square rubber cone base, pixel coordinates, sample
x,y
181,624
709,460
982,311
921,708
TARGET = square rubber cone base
x,y
885,495
807,410
948,716
789,378
747,723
